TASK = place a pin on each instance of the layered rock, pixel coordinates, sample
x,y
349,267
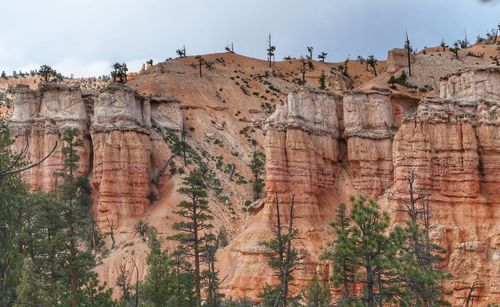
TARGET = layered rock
x,y
117,126
38,122
303,149
368,121
122,154
452,142
398,58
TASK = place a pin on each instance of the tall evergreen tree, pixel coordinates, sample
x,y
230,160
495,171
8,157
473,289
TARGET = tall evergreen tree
x,y
368,254
305,66
256,165
409,50
194,230
14,212
420,256
283,257
80,285
317,294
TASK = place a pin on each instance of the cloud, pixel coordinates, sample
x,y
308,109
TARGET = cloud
x,y
83,37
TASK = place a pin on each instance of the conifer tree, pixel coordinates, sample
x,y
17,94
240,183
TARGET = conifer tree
x,y
310,53
193,231
322,56
15,209
322,81
366,252
283,257
305,66
48,74
257,167
317,294
409,50
29,290
157,287
270,51
419,257
372,62
119,73
76,262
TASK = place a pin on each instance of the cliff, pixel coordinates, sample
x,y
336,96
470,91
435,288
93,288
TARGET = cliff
x,y
116,127
320,147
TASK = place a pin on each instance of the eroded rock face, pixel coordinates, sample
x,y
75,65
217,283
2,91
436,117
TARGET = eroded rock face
x,y
117,127
303,150
368,121
453,144
39,120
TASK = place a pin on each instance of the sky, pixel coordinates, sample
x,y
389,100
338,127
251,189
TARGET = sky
x,y
84,37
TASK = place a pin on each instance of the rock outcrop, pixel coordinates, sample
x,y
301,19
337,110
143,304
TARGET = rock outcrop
x,y
117,127
37,124
453,143
374,138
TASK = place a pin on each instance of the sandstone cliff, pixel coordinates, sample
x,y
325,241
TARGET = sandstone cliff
x,y
320,146
316,140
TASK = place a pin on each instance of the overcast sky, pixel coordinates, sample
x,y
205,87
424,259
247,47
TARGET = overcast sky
x,y
83,37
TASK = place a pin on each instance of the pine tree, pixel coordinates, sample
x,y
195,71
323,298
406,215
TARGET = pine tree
x,y
193,231
322,56
48,74
211,275
305,66
30,287
119,72
409,50
158,287
419,257
257,167
74,199
15,208
270,51
317,294
322,82
4,75
368,254
283,258
310,53
372,62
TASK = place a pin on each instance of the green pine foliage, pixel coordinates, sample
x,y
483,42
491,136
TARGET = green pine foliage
x,y
283,258
322,81
317,294
364,254
195,229
169,280
256,165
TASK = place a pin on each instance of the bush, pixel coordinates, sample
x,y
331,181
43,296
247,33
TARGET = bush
x,y
141,228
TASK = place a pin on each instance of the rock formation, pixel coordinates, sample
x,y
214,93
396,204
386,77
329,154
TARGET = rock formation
x,y
452,142
118,130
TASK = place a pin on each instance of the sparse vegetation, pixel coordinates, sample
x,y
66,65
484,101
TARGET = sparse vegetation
x,y
372,61
119,73
322,56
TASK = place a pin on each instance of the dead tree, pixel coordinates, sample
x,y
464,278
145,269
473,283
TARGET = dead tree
x,y
201,62
284,259
112,228
136,283
305,66
16,167
408,51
